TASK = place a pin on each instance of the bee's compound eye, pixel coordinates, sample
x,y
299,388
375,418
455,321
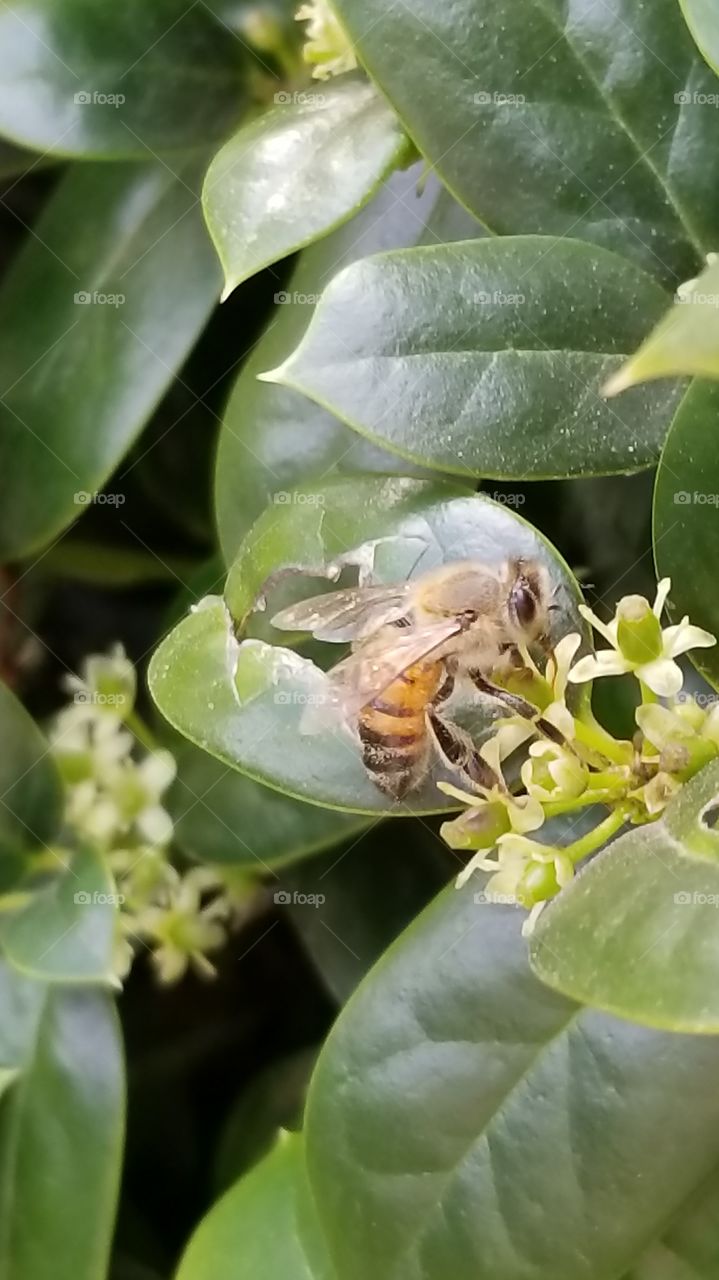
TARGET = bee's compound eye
x,y
524,605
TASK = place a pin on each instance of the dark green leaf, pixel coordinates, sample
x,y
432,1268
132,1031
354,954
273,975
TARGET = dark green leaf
x,y
245,702
636,932
273,1100
439,1113
61,1131
116,80
222,817
686,519
488,358
273,439
80,375
541,120
259,1227
298,171
30,788
66,932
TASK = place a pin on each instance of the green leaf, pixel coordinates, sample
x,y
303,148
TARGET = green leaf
x,y
273,439
636,932
540,123
125,80
298,171
259,1227
703,21
348,906
488,357
439,1112
61,1131
66,931
30,788
80,375
686,527
244,702
273,1100
686,340
222,817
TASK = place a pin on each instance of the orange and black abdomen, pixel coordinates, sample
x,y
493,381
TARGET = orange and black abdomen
x,y
393,729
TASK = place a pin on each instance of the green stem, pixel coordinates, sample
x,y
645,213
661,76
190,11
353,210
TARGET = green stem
x,y
557,808
590,733
648,696
142,731
595,838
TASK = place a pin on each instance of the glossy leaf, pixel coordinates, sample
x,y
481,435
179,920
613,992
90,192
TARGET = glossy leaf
x,y
222,817
66,931
80,375
123,80
635,933
487,358
273,1100
30,787
703,22
273,439
244,703
539,120
438,1116
297,171
686,524
61,1131
686,340
256,1229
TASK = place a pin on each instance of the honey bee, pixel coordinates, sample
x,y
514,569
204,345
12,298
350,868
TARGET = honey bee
x,y
412,642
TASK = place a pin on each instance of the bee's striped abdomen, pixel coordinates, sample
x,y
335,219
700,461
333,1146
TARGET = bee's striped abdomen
x,y
393,729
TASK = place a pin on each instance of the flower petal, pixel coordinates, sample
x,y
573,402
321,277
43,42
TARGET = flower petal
x,y
605,663
663,589
683,637
662,676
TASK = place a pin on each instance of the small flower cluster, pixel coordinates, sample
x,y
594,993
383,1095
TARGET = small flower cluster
x,y
573,762
327,48
114,802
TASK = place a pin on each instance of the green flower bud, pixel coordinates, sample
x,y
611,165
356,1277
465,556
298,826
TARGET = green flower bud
x,y
537,883
478,828
639,631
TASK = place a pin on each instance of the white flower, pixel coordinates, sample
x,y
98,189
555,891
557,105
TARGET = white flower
x,y
487,818
553,772
640,645
327,46
106,687
185,931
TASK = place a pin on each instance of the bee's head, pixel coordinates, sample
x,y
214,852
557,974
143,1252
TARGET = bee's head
x,y
528,602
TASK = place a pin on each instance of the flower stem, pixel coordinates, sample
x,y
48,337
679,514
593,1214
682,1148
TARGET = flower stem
x,y
589,732
595,838
142,731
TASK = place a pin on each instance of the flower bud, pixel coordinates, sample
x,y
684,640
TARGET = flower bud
x,y
537,883
639,631
477,828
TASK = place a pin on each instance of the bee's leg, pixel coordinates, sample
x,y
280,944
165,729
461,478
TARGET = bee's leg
x,y
458,751
518,705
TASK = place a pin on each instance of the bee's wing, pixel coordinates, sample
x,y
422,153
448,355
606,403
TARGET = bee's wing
x,y
367,672
345,615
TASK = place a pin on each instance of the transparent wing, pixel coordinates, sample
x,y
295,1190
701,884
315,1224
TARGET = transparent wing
x,y
345,615
367,672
